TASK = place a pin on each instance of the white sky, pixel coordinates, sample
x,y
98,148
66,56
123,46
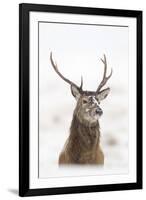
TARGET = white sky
x,y
78,49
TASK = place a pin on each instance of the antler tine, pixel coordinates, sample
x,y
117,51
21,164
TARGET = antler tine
x,y
105,65
64,78
104,79
81,86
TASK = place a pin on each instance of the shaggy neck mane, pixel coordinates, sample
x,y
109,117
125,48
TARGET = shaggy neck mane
x,y
83,141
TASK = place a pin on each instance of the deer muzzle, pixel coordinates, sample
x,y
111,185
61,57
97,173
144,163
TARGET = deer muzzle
x,y
99,111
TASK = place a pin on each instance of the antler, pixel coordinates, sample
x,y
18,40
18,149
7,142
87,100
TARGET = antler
x,y
64,78
104,79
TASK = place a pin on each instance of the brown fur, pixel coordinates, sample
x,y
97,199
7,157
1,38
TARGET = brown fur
x,y
82,146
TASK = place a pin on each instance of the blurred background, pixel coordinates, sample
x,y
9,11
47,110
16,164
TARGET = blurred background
x,y
77,49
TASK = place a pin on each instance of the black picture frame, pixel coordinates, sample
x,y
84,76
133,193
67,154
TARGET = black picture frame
x,y
24,9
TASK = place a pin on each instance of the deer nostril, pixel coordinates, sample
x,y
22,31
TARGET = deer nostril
x,y
99,111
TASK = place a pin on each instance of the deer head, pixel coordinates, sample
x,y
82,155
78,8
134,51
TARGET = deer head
x,y
87,109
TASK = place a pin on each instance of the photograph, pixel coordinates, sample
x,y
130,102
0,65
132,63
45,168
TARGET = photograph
x,y
83,99
80,111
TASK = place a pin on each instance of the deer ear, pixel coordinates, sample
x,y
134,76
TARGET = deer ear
x,y
103,94
75,92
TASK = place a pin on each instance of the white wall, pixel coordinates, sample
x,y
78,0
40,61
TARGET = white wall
x,y
9,97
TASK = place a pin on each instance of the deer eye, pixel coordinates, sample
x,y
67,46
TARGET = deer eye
x,y
84,101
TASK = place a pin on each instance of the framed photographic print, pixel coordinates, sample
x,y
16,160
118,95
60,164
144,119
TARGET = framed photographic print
x,y
80,99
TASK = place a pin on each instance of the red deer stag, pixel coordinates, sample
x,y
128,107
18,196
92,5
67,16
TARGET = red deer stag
x,y
83,143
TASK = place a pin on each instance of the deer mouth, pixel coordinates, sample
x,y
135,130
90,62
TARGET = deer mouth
x,y
96,112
